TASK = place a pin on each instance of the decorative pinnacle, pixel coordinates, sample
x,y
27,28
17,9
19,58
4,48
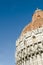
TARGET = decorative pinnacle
x,y
37,10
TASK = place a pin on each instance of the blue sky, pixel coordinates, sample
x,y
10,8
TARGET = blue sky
x,y
14,16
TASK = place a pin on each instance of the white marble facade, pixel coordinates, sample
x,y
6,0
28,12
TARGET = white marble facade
x,y
29,48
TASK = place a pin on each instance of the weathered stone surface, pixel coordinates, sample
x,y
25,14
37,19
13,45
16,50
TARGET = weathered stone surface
x,y
29,46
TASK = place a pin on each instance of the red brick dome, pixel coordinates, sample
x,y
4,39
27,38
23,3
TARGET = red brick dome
x,y
37,21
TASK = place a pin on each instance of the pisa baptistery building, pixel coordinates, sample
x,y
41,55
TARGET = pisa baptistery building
x,y
29,45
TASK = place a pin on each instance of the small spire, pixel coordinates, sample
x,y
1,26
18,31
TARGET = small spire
x,y
37,10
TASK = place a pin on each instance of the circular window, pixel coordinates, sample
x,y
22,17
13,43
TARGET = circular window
x,y
38,15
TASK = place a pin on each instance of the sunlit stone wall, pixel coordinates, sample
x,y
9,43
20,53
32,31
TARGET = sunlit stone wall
x,y
29,48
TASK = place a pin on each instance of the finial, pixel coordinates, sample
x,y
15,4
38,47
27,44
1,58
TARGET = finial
x,y
37,10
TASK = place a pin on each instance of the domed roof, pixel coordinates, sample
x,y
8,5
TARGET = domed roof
x,y
37,21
